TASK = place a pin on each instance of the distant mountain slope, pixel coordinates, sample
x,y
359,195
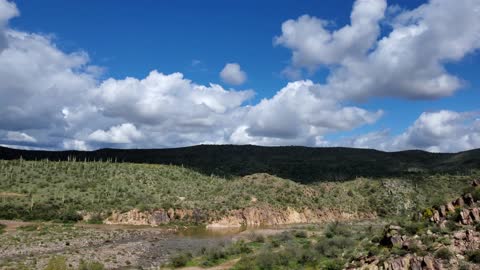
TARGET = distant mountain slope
x,y
303,164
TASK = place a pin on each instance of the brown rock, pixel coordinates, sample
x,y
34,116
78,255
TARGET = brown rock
x,y
459,235
171,213
465,217
415,264
436,216
443,211
475,214
459,202
450,207
476,183
428,263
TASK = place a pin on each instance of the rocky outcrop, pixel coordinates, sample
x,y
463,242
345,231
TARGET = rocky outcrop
x,y
252,216
266,216
466,206
151,218
407,262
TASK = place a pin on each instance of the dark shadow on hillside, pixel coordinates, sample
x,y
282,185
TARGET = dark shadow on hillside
x,y
302,164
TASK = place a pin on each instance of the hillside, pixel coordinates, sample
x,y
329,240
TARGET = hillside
x,y
47,190
301,164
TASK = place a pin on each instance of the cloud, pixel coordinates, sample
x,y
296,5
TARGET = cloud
x,y
313,44
233,74
55,100
409,62
124,133
8,10
75,145
161,98
302,110
440,131
38,81
19,137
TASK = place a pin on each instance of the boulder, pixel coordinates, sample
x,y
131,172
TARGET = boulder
x,y
443,211
476,182
459,202
450,207
468,199
475,214
465,217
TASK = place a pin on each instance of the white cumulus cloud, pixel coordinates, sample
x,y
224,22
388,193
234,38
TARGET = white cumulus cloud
x,y
408,62
124,133
232,73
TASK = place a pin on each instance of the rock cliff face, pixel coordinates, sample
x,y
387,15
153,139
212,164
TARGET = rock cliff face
x,y
267,216
253,216
152,218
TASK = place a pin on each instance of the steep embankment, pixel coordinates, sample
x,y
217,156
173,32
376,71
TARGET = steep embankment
x,y
301,164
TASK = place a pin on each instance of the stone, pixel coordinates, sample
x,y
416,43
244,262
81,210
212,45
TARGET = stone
x,y
459,202
436,216
171,213
428,263
465,217
443,211
459,235
450,207
475,214
468,199
415,264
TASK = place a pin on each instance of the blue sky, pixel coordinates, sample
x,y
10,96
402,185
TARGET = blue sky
x,y
199,38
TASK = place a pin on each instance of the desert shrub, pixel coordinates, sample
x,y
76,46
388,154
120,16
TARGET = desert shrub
x,y
213,255
443,253
337,229
245,263
476,194
333,247
333,264
258,238
90,266
266,260
57,263
28,228
300,234
413,228
474,256
95,219
180,259
451,226
428,213
239,247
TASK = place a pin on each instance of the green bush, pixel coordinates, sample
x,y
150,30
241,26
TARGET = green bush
x,y
180,260
266,260
57,263
2,228
95,219
444,253
300,234
90,266
476,194
334,264
474,256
